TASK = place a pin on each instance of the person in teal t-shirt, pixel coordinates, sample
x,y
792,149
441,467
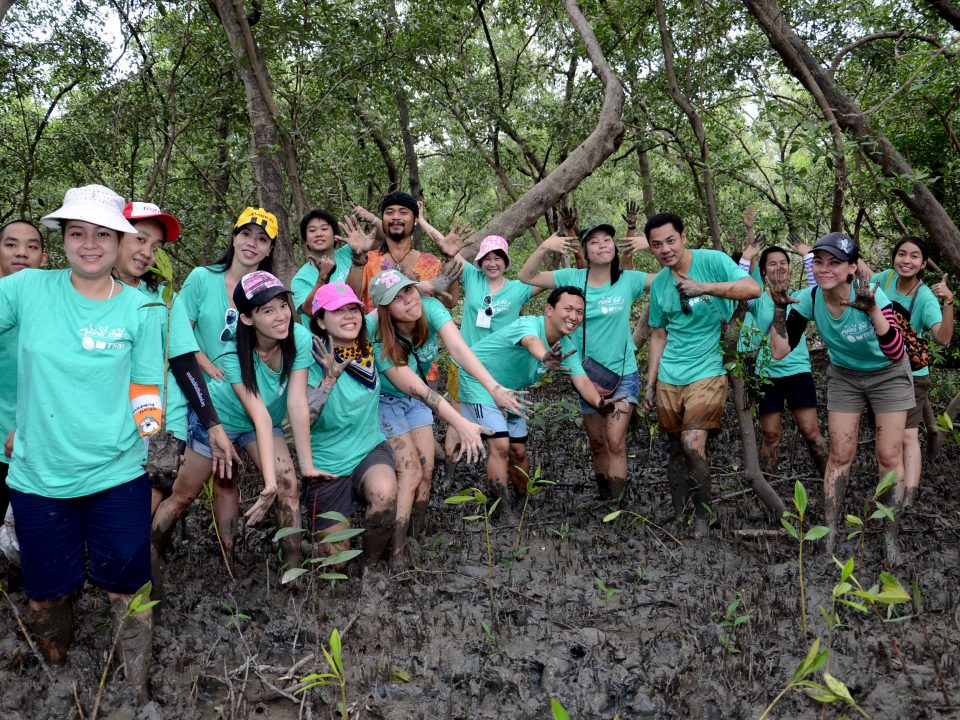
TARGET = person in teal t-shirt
x,y
518,355
207,293
318,231
930,312
690,299
77,485
783,382
21,247
405,330
265,378
604,340
135,262
869,368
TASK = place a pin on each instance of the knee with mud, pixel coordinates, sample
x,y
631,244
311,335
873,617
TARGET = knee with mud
x,y
51,622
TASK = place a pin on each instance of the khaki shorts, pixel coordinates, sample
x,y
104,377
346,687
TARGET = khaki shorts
x,y
887,390
697,406
453,382
921,388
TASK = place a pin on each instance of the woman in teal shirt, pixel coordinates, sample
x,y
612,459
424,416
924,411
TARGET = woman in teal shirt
x,y
265,378
604,337
405,330
76,479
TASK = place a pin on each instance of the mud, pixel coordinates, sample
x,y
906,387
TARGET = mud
x,y
446,640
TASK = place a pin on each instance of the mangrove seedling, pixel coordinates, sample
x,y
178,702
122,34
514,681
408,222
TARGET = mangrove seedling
x,y
558,711
797,533
735,615
474,495
327,561
880,512
562,530
608,592
535,484
336,677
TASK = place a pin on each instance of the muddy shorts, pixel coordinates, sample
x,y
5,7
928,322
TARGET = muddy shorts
x,y
57,536
796,391
697,406
341,495
493,418
453,382
628,389
198,439
399,415
883,391
921,399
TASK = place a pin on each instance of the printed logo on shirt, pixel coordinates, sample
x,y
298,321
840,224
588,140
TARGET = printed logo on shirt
x,y
610,304
863,330
99,338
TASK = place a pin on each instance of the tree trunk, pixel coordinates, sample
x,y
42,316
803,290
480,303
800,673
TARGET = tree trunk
x,y
393,175
710,196
271,151
646,184
409,149
801,62
4,6
579,164
945,9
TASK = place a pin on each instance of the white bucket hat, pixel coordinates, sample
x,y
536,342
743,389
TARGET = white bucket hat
x,y
94,204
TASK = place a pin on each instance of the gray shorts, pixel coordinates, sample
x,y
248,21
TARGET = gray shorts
x,y
883,391
341,494
503,425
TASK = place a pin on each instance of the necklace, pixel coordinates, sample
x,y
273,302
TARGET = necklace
x,y
914,287
113,285
400,261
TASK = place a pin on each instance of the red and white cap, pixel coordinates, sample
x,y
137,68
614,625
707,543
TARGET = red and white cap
x,y
149,211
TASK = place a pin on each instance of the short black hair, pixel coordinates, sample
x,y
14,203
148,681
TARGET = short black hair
x,y
762,262
317,214
664,218
22,221
554,297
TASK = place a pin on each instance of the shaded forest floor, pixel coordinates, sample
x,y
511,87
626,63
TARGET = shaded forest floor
x,y
438,642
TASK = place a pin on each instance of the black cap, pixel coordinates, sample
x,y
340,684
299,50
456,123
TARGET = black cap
x,y
840,245
398,197
256,289
607,228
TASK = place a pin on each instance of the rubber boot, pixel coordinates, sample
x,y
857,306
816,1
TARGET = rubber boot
x,y
135,649
52,628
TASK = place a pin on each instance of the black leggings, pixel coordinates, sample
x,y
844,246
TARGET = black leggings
x,y
4,490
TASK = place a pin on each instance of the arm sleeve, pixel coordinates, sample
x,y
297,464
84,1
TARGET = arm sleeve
x,y
186,371
745,266
891,342
808,266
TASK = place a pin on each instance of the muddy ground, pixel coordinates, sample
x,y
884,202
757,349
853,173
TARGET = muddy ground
x,y
438,642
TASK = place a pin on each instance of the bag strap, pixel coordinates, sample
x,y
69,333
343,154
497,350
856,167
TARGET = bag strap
x,y
408,346
586,277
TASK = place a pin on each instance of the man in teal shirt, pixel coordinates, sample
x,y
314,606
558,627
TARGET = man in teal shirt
x,y
690,299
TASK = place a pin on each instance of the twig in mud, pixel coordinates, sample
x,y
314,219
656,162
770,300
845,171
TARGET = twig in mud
x,y
76,699
26,635
291,671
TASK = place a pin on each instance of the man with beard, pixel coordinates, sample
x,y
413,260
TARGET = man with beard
x,y
690,299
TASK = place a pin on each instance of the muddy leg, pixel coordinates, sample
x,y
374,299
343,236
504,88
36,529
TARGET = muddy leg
x,y
194,472
678,475
616,424
418,519
889,450
809,428
596,427
288,506
378,530
844,432
51,622
771,429
424,442
518,465
135,646
409,474
694,445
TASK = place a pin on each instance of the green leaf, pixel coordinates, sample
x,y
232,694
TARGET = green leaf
x,y
496,504
341,535
398,674
558,710
612,516
816,532
332,576
287,532
336,648
847,570
167,294
334,516
473,517
163,266
885,484
790,528
292,574
853,520
741,619
892,592
800,498
837,687
340,557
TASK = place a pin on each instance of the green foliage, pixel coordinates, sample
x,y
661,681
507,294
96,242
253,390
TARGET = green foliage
x,y
335,676
731,618
475,496
315,566
881,512
606,591
558,711
801,536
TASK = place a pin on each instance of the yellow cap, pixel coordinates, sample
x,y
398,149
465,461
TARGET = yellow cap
x,y
263,218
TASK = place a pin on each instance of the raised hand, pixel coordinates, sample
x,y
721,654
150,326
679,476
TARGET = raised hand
x,y
361,213
799,247
749,217
863,298
554,357
630,216
778,285
751,248
568,219
327,360
634,244
560,243
449,274
355,237
942,291
453,241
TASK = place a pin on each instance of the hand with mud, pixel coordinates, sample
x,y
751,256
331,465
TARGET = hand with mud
x,y
608,406
259,509
554,357
163,459
749,217
453,241
863,298
778,285
635,244
449,274
630,216
688,287
471,447
568,219
799,247
649,400
513,401
223,454
356,238
752,248
361,213
327,360
325,266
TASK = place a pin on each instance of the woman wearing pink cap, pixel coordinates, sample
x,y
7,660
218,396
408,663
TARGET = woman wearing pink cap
x,y
345,436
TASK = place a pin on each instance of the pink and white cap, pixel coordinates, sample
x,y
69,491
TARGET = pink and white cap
x,y
149,211
491,243
333,296
256,289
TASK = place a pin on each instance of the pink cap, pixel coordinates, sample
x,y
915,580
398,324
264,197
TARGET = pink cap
x,y
491,243
149,211
333,296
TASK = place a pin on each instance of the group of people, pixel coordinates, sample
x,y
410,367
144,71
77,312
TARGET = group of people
x,y
120,399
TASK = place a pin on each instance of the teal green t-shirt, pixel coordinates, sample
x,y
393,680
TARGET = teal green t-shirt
x,y
76,358
607,318
924,308
850,339
306,277
756,325
204,296
505,305
348,427
182,342
273,393
693,339
8,386
510,363
437,316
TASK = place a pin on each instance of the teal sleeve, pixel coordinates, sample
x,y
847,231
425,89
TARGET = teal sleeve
x,y
147,356
182,339
190,293
656,319
230,364
343,257
303,340
303,283
881,299
9,300
639,282
437,314
930,313
382,362
805,304
569,276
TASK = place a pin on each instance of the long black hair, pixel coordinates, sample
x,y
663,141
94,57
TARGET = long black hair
x,y
247,345
615,270
221,265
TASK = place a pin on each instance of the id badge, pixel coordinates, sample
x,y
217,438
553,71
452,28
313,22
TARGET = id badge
x,y
483,320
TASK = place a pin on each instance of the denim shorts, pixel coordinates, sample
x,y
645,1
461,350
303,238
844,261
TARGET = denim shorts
x,y
57,536
399,415
493,418
198,439
628,389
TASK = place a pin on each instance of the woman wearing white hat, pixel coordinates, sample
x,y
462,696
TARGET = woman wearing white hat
x,y
79,495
